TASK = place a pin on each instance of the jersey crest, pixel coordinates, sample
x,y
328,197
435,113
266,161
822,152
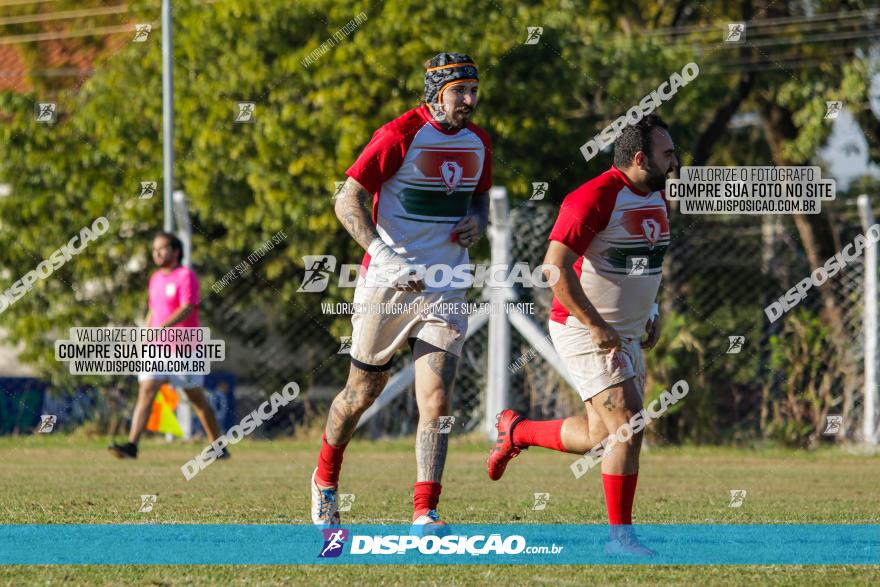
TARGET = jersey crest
x,y
652,230
451,172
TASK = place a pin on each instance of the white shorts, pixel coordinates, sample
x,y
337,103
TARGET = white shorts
x,y
181,380
593,369
385,319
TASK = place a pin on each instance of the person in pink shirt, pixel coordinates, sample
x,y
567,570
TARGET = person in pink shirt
x,y
173,303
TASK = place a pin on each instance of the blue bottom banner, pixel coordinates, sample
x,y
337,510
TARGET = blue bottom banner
x,y
174,544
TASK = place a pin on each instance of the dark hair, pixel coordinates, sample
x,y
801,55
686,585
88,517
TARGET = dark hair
x,y
173,242
634,138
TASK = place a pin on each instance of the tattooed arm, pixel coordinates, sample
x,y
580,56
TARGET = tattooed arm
x,y
357,221
353,214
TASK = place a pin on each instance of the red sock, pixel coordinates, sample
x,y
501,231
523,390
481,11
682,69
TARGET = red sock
x,y
629,495
425,497
620,491
329,463
546,433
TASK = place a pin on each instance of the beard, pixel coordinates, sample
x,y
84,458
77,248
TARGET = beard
x,y
656,179
459,117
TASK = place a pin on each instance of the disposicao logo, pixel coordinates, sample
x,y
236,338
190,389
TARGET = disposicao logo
x,y
334,540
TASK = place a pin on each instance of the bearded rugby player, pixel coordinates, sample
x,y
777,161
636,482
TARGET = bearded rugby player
x,y
608,244
427,175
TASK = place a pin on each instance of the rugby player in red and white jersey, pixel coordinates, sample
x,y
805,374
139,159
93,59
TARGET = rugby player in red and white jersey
x,y
608,244
427,175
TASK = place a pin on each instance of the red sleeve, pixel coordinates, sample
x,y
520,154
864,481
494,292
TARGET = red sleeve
x,y
189,289
584,213
486,174
379,160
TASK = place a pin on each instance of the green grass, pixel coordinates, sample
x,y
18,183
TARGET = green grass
x,y
65,480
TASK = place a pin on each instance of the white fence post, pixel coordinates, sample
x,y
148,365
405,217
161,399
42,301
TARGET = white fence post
x,y
184,410
869,426
184,227
167,114
498,387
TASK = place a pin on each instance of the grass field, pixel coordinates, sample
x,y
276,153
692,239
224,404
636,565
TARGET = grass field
x,y
65,480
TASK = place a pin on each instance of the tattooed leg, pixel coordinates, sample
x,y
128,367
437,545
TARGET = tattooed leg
x,y
609,403
435,380
361,390
431,447
619,404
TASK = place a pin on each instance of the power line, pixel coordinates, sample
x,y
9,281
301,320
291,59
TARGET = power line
x,y
21,2
770,66
872,33
807,31
789,37
767,22
62,15
856,38
51,36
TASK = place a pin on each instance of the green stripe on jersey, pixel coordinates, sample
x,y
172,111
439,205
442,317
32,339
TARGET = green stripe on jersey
x,y
617,256
435,203
427,220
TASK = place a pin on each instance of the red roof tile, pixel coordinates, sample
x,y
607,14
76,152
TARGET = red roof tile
x,y
70,59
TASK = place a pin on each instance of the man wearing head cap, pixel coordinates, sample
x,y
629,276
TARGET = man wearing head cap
x,y
427,175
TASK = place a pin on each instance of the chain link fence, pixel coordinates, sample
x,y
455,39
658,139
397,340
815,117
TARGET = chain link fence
x,y
787,378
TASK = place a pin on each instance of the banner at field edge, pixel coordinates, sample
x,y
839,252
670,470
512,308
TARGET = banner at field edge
x,y
783,544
